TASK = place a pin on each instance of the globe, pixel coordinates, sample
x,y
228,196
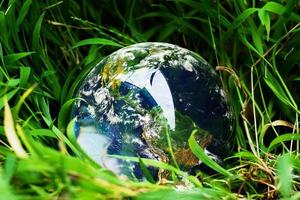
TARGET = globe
x,y
144,101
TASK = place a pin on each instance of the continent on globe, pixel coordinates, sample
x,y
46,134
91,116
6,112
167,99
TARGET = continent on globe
x,y
135,96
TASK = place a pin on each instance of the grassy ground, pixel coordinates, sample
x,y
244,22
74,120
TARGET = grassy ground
x,y
48,47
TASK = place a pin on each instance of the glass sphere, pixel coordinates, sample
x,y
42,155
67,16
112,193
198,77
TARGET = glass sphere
x,y
135,96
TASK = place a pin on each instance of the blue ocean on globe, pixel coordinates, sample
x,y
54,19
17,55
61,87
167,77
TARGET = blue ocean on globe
x,y
133,97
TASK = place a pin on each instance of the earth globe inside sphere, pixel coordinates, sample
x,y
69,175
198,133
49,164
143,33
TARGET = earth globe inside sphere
x,y
145,101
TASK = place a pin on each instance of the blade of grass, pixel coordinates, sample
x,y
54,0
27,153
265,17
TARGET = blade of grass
x,y
276,88
36,32
161,165
145,171
283,138
22,99
98,41
6,189
11,134
23,12
285,176
202,156
24,75
7,97
12,58
64,114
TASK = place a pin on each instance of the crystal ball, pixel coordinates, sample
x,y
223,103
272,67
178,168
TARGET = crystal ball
x,y
142,96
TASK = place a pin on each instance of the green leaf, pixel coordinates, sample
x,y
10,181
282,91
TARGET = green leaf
x,y
274,7
265,20
145,171
186,194
8,96
50,75
160,165
242,17
45,108
69,81
257,39
42,133
250,46
283,138
23,12
36,32
60,135
6,190
26,139
24,75
96,41
201,155
22,99
168,29
12,58
10,167
276,88
247,156
64,114
3,27
71,133
12,82
285,175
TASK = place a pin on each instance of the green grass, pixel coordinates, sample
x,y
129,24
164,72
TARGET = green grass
x,y
48,47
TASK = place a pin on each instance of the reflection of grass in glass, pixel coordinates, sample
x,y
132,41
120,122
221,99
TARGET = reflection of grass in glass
x,y
255,45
